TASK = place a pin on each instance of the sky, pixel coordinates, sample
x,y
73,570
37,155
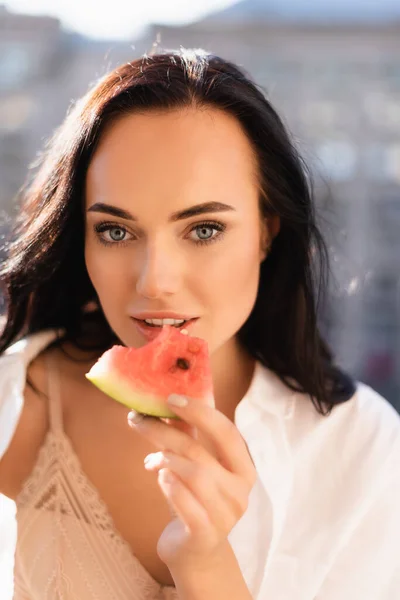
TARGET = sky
x,y
117,19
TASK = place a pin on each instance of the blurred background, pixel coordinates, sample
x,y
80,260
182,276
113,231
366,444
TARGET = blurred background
x,y
332,70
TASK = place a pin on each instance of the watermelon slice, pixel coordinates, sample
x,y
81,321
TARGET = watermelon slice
x,y
143,378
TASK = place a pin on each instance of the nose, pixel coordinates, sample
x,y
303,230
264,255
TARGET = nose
x,y
158,272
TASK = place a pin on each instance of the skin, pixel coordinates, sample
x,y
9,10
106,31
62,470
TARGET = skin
x,y
154,165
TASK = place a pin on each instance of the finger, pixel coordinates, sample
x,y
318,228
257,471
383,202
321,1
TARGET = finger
x,y
134,418
167,437
182,426
183,503
225,498
230,445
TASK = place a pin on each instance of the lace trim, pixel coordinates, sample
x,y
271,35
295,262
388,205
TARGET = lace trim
x,y
41,465
57,448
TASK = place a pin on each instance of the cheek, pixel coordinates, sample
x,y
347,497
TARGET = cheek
x,y
234,273
104,275
229,290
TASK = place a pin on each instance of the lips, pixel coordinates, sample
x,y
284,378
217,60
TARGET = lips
x,y
163,325
186,322
151,331
161,315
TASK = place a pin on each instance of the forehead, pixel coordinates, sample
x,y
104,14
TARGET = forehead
x,y
176,152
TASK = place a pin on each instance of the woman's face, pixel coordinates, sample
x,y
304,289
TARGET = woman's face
x,y
156,166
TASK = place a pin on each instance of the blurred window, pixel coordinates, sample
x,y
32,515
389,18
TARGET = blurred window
x,y
15,112
14,65
319,114
332,77
385,237
394,162
382,162
383,111
382,324
337,159
374,161
391,73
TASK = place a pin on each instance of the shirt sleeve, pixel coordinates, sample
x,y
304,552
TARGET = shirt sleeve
x,y
13,366
12,383
368,566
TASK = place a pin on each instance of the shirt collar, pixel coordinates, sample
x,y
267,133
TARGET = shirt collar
x,y
266,394
31,345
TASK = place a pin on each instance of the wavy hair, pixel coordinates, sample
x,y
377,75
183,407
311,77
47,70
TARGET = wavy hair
x,y
44,277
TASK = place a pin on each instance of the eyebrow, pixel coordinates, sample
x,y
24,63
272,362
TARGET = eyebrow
x,y
193,211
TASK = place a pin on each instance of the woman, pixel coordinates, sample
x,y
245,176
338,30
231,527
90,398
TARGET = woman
x,y
289,487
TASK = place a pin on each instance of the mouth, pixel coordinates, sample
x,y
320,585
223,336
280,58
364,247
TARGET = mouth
x,y
146,327
178,325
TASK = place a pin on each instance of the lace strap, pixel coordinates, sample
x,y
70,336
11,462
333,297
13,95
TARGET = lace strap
x,y
54,393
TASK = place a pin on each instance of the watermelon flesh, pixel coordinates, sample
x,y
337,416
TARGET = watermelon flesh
x,y
143,378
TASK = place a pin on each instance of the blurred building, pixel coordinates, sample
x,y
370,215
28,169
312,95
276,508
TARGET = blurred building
x,y
26,55
336,83
42,70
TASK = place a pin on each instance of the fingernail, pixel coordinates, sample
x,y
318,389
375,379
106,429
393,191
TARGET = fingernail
x,y
151,459
134,418
167,476
177,400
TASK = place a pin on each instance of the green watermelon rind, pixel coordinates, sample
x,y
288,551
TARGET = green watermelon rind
x,y
142,379
142,402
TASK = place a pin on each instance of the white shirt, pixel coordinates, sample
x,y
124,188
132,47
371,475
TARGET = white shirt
x,y
323,521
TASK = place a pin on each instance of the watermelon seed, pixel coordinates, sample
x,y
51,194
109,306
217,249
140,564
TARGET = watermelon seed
x,y
183,364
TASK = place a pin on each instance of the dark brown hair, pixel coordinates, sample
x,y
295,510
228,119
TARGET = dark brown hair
x,y
44,278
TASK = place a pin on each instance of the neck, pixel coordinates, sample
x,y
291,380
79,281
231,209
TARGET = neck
x,y
232,372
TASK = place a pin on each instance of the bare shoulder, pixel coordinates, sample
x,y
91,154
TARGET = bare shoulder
x,y
20,457
33,425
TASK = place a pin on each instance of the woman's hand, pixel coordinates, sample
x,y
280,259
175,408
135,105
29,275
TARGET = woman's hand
x,y
207,490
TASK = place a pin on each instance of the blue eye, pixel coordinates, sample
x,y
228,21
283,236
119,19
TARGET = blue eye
x,y
205,229
117,229
109,227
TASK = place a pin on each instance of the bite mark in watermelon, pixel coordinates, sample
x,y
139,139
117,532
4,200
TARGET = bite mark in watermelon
x,y
143,378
